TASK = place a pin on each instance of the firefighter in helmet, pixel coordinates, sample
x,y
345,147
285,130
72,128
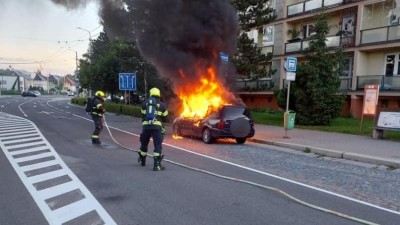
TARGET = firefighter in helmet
x,y
97,114
154,114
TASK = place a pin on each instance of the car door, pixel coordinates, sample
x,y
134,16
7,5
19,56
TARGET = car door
x,y
185,125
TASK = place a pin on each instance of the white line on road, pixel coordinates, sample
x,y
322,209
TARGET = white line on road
x,y
47,189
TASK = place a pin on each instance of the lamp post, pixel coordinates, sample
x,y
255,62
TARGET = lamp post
x,y
90,41
90,34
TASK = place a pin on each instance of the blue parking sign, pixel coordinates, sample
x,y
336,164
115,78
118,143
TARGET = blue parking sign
x,y
291,64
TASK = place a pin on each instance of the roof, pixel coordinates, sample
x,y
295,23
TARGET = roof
x,y
24,74
69,81
40,77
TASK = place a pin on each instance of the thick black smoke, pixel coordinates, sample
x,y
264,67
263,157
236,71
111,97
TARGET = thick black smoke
x,y
184,35
176,36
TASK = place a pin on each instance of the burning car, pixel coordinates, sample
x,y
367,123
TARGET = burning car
x,y
227,121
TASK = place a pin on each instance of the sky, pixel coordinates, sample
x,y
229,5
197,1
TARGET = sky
x,y
37,34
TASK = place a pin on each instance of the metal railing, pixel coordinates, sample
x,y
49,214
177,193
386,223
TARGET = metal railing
x,y
267,49
331,42
263,84
386,83
307,6
380,34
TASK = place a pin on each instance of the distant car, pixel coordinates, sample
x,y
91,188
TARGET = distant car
x,y
71,93
115,99
29,94
228,121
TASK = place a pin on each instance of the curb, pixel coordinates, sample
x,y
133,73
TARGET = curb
x,y
334,153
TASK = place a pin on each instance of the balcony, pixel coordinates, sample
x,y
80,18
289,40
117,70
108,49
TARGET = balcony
x,y
267,49
263,84
380,35
386,83
295,47
310,6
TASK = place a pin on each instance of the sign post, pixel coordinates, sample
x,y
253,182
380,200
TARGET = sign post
x,y
127,82
371,96
290,66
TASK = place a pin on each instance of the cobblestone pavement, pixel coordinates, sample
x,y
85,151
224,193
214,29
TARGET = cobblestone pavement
x,y
377,185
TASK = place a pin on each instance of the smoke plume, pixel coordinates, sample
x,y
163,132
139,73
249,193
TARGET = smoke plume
x,y
183,35
176,35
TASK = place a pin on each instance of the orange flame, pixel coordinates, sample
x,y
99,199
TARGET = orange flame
x,y
198,97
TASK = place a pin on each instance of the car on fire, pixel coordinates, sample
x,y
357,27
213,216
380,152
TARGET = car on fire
x,y
227,121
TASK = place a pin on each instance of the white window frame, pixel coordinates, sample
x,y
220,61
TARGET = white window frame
x,y
395,64
268,31
348,73
271,4
306,30
253,34
394,15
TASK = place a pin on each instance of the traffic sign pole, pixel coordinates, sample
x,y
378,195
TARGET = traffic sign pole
x,y
290,65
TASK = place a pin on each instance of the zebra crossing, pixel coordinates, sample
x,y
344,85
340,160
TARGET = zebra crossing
x,y
58,192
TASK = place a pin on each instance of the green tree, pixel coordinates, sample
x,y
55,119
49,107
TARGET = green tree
x,y
249,61
315,90
100,67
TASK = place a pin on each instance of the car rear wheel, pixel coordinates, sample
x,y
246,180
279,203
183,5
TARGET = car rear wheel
x,y
207,136
176,130
240,140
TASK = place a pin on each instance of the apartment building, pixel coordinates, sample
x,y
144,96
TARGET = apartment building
x,y
369,31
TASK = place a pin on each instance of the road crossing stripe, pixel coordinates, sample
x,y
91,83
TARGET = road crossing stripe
x,y
11,126
16,131
31,131
46,176
44,147
19,137
33,157
8,143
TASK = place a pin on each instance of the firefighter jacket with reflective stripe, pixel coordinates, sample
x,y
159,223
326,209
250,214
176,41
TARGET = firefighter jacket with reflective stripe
x,y
98,108
160,115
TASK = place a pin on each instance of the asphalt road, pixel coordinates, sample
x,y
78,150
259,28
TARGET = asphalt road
x,y
114,189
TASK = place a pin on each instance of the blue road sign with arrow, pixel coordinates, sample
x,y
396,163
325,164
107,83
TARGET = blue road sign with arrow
x,y
127,81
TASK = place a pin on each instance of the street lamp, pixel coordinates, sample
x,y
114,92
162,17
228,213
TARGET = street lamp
x,y
90,40
90,34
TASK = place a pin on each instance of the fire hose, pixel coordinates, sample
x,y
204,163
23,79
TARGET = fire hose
x,y
345,216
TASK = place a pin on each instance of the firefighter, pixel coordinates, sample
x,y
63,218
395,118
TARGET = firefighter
x,y
152,127
97,114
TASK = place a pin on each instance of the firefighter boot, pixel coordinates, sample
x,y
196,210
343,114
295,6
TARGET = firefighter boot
x,y
142,158
157,163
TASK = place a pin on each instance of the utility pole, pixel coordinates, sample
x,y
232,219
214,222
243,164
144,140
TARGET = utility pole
x,y
90,41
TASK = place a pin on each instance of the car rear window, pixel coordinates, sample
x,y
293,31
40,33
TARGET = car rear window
x,y
229,112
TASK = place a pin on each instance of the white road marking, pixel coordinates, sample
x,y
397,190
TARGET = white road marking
x,y
11,148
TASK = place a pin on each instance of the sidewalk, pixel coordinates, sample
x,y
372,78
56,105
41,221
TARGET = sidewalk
x,y
337,145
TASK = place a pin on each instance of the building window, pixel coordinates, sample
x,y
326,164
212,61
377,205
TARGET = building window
x,y
394,14
392,64
308,30
270,4
347,68
348,26
253,34
268,36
